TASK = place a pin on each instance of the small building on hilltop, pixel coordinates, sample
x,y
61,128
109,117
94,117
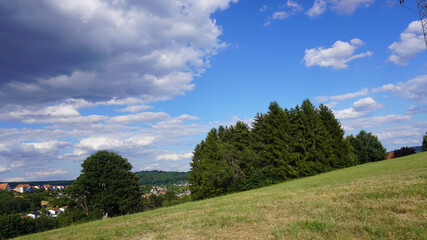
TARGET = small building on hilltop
x,y
34,215
53,212
22,188
5,186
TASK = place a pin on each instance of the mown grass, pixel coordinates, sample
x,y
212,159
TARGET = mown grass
x,y
382,200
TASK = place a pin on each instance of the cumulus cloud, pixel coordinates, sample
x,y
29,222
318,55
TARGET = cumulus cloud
x,y
318,8
97,50
411,42
174,156
341,7
363,123
360,108
414,89
336,56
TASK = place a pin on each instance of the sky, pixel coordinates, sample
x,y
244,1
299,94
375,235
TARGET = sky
x,y
148,79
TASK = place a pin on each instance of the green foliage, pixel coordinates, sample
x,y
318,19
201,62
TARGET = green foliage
x,y
379,200
425,142
15,225
12,205
106,185
403,151
367,148
161,177
282,144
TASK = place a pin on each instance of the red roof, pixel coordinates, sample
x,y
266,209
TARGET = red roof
x,y
55,209
22,185
3,186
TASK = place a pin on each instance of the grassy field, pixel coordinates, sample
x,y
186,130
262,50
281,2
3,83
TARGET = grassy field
x,y
382,200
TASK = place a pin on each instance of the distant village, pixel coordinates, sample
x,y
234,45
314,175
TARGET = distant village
x,y
26,188
23,188
156,190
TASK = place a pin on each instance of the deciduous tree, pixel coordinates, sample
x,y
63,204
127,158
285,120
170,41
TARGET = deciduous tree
x,y
106,186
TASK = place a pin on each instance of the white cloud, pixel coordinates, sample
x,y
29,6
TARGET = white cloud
x,y
363,123
291,8
149,50
342,97
45,173
400,135
140,117
174,157
45,147
360,108
112,143
134,108
414,89
348,7
411,42
281,15
341,7
318,8
4,169
150,167
417,109
336,57
13,179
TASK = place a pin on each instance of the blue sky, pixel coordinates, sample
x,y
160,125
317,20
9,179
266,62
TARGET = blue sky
x,y
148,79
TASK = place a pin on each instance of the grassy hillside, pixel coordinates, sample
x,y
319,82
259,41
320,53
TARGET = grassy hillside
x,y
382,200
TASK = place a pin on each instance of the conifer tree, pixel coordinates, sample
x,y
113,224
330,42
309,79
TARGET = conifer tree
x,y
315,140
339,151
425,142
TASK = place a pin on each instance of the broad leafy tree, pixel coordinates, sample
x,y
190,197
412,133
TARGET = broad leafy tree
x,y
367,147
106,186
403,152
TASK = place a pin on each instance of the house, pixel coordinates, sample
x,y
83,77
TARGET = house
x,y
390,155
22,188
63,208
5,186
34,215
47,187
53,212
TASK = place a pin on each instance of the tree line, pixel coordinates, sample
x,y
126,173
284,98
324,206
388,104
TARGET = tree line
x,y
281,144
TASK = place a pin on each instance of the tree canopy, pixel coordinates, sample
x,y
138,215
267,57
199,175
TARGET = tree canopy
x,y
367,147
281,144
106,186
425,142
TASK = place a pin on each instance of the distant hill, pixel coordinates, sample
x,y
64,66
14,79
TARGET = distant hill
x,y
418,148
145,178
161,177
34,183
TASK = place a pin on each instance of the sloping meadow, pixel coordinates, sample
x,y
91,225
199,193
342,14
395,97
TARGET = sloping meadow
x,y
380,200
